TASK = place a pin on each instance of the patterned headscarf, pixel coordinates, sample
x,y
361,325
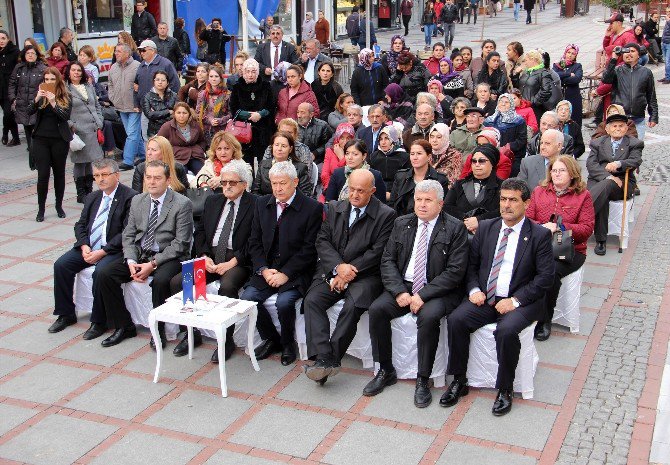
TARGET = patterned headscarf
x,y
508,117
444,78
435,82
492,135
443,129
343,128
564,63
392,56
279,72
364,58
392,132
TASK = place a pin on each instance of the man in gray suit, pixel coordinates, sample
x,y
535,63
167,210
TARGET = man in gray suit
x,y
607,164
155,240
534,168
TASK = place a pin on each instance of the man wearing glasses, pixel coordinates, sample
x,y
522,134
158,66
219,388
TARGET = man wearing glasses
x,y
98,240
272,52
534,168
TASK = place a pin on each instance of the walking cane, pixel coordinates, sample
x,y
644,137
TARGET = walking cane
x,y
623,215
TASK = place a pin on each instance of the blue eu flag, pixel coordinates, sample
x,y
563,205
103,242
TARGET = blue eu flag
x,y
187,281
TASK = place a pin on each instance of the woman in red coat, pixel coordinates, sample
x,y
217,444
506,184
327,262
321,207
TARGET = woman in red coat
x,y
297,91
562,194
57,57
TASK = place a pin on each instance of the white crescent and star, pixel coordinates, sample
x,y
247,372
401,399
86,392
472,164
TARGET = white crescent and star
x,y
199,274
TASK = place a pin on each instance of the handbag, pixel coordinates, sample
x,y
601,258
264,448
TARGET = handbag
x,y
198,195
101,137
201,53
240,129
76,144
562,242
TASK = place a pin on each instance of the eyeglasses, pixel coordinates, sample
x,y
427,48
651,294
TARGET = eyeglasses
x,y
479,161
103,175
230,183
558,171
141,50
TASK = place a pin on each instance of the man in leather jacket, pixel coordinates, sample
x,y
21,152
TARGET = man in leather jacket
x,y
313,132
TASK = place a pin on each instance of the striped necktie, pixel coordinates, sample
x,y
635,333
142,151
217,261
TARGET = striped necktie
x,y
419,279
99,223
150,236
495,268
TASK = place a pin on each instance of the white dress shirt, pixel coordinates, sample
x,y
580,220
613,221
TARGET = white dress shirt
x,y
103,239
272,56
222,220
352,215
310,72
289,202
409,273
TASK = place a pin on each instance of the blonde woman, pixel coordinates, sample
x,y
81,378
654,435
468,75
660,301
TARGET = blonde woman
x,y
126,39
159,148
224,148
87,59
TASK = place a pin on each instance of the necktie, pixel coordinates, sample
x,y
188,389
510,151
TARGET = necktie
x,y
276,56
357,211
98,223
222,246
495,268
150,236
419,279
282,206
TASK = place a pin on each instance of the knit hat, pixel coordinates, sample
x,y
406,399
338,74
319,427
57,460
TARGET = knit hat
x,y
489,151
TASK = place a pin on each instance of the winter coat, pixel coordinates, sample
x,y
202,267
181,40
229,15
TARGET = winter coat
x,y
23,85
169,48
326,96
9,57
142,27
367,87
157,110
330,164
204,110
262,186
536,88
287,107
315,136
575,132
138,176
144,77
86,119
414,81
402,193
262,102
183,40
514,134
120,84
184,94
60,64
184,150
469,90
389,164
633,88
460,202
498,80
449,13
571,90
526,112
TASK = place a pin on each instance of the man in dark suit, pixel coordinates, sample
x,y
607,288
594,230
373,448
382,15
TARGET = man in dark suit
x,y
156,240
312,58
222,236
534,167
98,234
608,161
511,269
370,134
282,253
350,246
422,271
272,52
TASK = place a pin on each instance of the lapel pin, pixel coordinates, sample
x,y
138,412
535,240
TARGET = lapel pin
x,y
525,238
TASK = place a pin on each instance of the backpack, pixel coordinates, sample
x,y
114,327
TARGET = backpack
x,y
353,26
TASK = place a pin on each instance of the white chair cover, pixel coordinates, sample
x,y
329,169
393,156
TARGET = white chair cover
x,y
615,217
567,311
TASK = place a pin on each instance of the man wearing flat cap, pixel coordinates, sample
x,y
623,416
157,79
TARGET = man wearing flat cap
x,y
464,138
608,161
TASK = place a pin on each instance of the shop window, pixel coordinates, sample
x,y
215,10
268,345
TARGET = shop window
x,y
100,16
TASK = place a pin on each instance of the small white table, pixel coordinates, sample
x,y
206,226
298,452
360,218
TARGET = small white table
x,y
221,313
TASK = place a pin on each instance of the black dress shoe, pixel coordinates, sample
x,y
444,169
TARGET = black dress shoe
x,y
119,335
600,248
124,167
14,142
60,212
542,331
229,350
456,390
181,349
382,379
288,355
62,322
503,403
266,349
319,370
422,395
94,331
152,344
40,216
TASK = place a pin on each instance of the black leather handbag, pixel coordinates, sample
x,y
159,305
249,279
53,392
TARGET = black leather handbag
x,y
198,196
562,242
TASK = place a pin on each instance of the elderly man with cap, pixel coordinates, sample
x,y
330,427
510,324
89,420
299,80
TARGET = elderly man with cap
x,y
633,87
534,168
607,164
464,138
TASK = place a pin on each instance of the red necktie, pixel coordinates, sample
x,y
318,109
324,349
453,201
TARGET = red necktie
x,y
276,56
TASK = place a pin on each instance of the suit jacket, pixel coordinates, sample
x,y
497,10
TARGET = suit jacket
x,y
287,52
300,224
402,193
320,58
533,272
116,219
174,229
447,258
460,200
205,228
360,245
533,170
629,154
365,134
338,179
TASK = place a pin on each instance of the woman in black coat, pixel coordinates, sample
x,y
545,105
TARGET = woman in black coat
x,y
402,194
368,80
493,75
571,74
9,57
477,196
411,75
251,100
158,103
283,149
568,126
536,83
355,154
326,89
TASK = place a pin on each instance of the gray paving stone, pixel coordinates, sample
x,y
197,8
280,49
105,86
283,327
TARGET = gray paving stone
x,y
137,448
285,430
5,288
340,392
587,321
18,209
34,338
397,403
598,274
187,412
119,396
591,301
27,272
92,352
56,232
9,364
43,444
561,350
19,227
21,248
241,376
29,302
173,367
525,426
467,454
551,385
46,382
364,443
226,457
7,322
12,416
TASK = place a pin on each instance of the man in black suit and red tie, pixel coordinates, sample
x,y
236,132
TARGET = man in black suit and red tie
x,y
283,256
272,52
98,234
511,269
222,236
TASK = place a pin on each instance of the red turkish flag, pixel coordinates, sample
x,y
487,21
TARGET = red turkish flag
x,y
199,278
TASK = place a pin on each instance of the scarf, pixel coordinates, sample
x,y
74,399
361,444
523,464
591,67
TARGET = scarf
x,y
217,167
391,56
392,132
397,95
364,58
443,129
444,78
215,99
279,72
344,193
343,128
536,67
564,63
508,117
461,67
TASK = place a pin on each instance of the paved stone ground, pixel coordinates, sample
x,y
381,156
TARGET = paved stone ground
x,y
599,394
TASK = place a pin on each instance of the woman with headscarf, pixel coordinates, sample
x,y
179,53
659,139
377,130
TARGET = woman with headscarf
x,y
443,107
326,89
445,159
390,58
570,127
398,105
451,80
390,156
411,74
368,80
504,166
296,92
278,81
334,157
355,155
477,197
571,74
494,75
251,100
512,127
